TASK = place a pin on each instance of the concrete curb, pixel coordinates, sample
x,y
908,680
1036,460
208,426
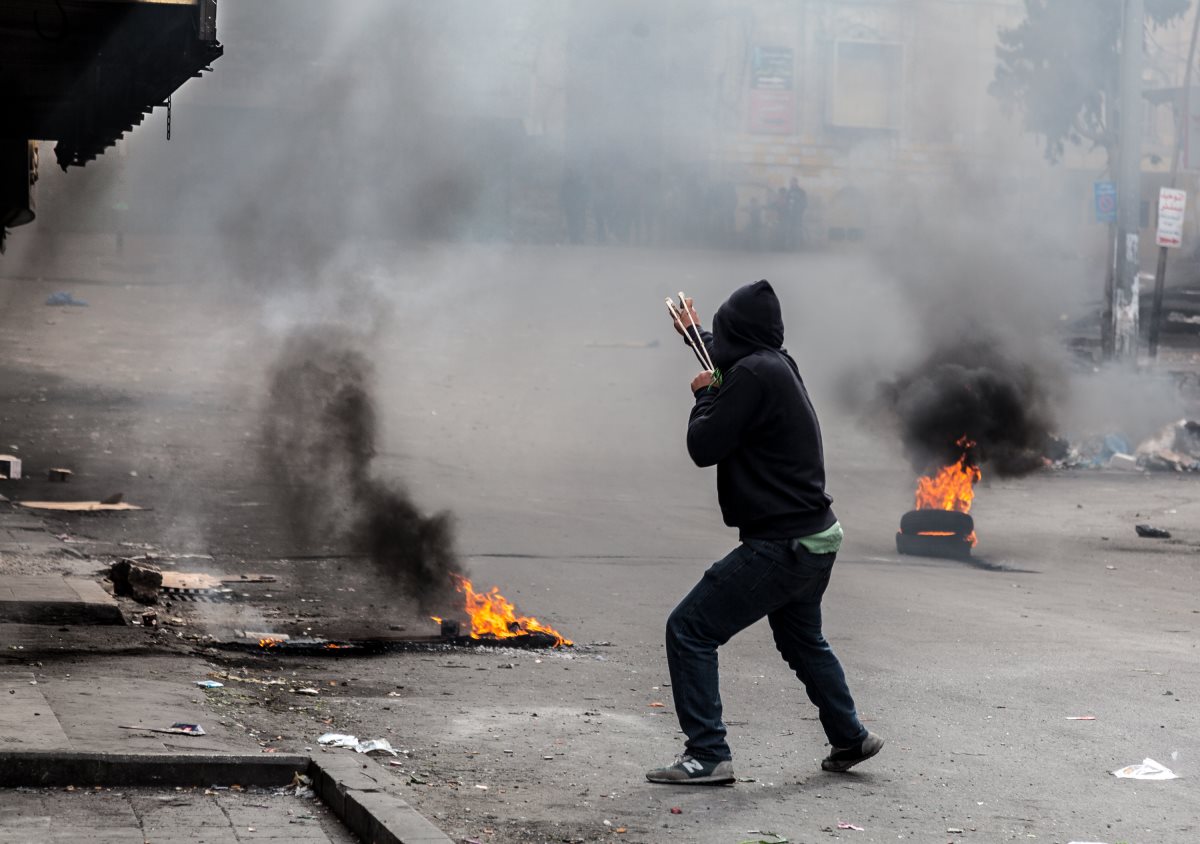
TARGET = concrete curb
x,y
57,769
351,785
355,789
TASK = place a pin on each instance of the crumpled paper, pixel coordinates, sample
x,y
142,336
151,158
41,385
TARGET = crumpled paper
x,y
1147,770
368,746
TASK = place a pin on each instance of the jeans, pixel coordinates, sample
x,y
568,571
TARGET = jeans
x,y
783,581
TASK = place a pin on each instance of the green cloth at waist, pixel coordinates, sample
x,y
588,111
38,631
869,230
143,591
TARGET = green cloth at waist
x,y
827,541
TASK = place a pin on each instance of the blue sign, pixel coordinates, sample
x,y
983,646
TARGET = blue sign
x,y
1106,202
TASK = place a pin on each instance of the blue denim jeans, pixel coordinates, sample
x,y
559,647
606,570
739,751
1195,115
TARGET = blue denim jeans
x,y
784,582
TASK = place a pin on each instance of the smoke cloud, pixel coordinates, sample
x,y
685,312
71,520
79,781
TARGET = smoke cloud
x,y
320,430
972,389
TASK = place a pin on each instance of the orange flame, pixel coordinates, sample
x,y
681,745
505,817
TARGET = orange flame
x,y
494,616
269,642
952,488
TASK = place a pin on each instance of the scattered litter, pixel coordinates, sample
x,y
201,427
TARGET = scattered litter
x,y
10,467
64,298
77,506
764,838
210,684
369,746
844,825
954,830
1081,717
175,729
1147,770
481,787
1176,448
300,786
308,691
1123,462
338,740
246,578
675,810
150,618
1151,532
658,705
59,475
253,680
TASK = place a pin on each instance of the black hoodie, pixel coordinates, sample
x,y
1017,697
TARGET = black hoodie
x,y
759,427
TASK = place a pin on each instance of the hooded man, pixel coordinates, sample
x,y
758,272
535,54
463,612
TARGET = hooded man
x,y
756,424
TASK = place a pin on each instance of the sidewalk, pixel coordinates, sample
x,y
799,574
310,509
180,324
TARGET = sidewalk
x,y
82,758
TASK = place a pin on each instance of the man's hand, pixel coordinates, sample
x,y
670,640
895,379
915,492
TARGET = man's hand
x,y
689,310
704,379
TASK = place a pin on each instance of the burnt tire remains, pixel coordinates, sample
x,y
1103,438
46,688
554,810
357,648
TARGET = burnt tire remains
x,y
926,545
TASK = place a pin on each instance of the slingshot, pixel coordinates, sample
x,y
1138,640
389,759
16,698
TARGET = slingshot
x,y
694,339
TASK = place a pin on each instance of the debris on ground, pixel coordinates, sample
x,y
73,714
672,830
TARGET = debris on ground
x,y
189,580
675,810
61,298
78,506
247,578
764,838
1176,448
1151,532
369,746
150,618
139,581
1123,462
1147,770
253,680
10,467
179,729
845,825
1081,717
210,684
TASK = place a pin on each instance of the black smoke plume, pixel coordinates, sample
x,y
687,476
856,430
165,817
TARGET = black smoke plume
x,y
973,389
320,431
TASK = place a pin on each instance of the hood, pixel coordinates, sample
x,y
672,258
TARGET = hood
x,y
749,320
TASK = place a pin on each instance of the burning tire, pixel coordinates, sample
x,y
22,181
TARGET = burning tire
x,y
937,521
927,545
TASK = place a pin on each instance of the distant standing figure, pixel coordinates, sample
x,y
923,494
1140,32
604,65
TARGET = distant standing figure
x,y
781,219
573,196
755,225
797,205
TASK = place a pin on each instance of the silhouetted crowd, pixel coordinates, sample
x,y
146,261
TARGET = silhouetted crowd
x,y
620,205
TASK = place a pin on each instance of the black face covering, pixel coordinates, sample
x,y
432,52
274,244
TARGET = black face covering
x,y
749,320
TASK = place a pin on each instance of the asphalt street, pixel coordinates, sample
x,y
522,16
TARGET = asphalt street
x,y
541,396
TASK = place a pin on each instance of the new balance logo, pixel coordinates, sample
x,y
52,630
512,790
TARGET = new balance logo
x,y
692,766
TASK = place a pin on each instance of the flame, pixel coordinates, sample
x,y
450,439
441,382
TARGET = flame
x,y
494,616
269,642
333,646
952,488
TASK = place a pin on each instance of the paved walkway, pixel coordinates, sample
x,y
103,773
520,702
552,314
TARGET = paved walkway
x,y
145,816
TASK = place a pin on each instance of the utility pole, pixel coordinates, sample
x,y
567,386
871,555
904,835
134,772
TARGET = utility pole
x,y
1129,185
1182,127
